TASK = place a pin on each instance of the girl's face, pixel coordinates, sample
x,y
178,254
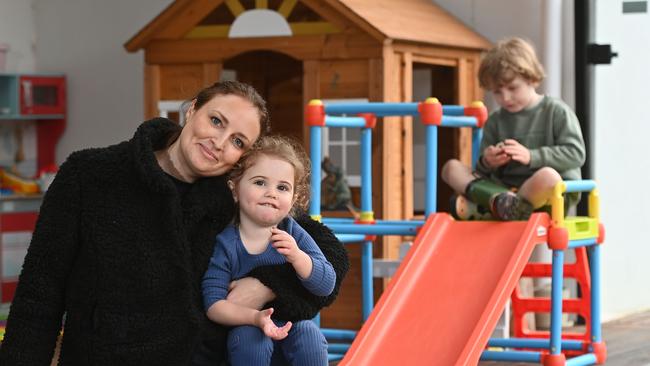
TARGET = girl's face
x,y
216,135
265,191
516,95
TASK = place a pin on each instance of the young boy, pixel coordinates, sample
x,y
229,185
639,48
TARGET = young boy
x,y
531,143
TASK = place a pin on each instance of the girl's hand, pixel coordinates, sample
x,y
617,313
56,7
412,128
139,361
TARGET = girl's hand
x,y
495,156
264,322
286,245
517,151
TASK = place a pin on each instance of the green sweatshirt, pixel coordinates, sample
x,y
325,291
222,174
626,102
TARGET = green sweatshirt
x,y
550,130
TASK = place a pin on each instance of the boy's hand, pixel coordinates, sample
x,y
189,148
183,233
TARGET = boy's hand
x,y
495,156
264,322
286,245
517,151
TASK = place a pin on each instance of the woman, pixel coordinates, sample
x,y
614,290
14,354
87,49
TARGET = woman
x,y
125,234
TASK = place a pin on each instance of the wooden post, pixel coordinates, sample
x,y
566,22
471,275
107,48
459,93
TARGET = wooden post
x,y
407,137
151,90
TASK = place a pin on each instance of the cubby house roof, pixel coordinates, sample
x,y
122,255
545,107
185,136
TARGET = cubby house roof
x,y
419,21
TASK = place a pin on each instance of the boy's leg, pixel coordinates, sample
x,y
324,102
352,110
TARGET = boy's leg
x,y
248,345
538,189
457,175
305,345
503,204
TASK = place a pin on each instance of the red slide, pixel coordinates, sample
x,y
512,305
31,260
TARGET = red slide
x,y
447,295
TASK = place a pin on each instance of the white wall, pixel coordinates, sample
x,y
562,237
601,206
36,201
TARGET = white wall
x,y
17,31
622,133
84,39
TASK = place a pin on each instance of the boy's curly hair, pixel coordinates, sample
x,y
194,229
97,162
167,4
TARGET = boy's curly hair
x,y
511,57
286,149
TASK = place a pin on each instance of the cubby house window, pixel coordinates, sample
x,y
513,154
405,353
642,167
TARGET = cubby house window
x,y
343,146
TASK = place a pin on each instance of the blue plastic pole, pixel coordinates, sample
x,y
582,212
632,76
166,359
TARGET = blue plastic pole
x,y
367,299
336,121
594,265
586,359
431,171
366,170
453,110
376,229
585,185
380,109
339,334
477,134
315,152
557,280
541,343
514,356
458,121
581,242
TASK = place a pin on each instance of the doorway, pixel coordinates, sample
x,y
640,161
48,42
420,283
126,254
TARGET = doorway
x,y
439,82
278,79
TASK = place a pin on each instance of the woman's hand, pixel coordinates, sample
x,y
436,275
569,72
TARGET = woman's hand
x,y
249,292
264,322
516,151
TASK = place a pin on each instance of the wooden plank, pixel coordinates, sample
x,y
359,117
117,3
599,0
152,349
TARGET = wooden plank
x,y
151,90
341,16
407,137
235,7
465,92
452,62
140,39
391,152
185,19
310,90
286,7
307,28
180,82
434,51
211,72
299,47
343,79
208,31
415,20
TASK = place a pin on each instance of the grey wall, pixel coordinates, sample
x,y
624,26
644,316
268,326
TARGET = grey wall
x,y
84,39
17,31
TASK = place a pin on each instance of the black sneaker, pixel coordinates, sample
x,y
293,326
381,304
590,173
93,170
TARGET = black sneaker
x,y
508,206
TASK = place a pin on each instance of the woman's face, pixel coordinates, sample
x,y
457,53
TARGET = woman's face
x,y
217,134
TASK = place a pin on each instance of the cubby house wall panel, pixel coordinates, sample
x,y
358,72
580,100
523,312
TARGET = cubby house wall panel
x,y
343,79
180,82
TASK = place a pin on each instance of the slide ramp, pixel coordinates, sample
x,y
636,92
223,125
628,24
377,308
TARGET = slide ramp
x,y
447,295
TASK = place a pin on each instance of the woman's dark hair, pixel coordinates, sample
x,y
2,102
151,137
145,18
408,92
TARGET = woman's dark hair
x,y
236,88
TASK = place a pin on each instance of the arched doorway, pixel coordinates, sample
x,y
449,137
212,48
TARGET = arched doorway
x,y
278,78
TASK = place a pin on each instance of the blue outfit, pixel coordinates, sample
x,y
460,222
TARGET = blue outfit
x,y
247,345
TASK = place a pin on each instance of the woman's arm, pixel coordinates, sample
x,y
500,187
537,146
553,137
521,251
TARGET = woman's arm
x,y
36,312
293,301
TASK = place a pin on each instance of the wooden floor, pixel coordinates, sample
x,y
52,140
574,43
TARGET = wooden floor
x,y
627,340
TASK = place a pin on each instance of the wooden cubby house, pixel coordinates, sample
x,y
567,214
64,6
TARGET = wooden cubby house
x,y
293,51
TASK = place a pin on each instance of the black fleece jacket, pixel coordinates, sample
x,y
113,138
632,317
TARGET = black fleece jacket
x,y
117,251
